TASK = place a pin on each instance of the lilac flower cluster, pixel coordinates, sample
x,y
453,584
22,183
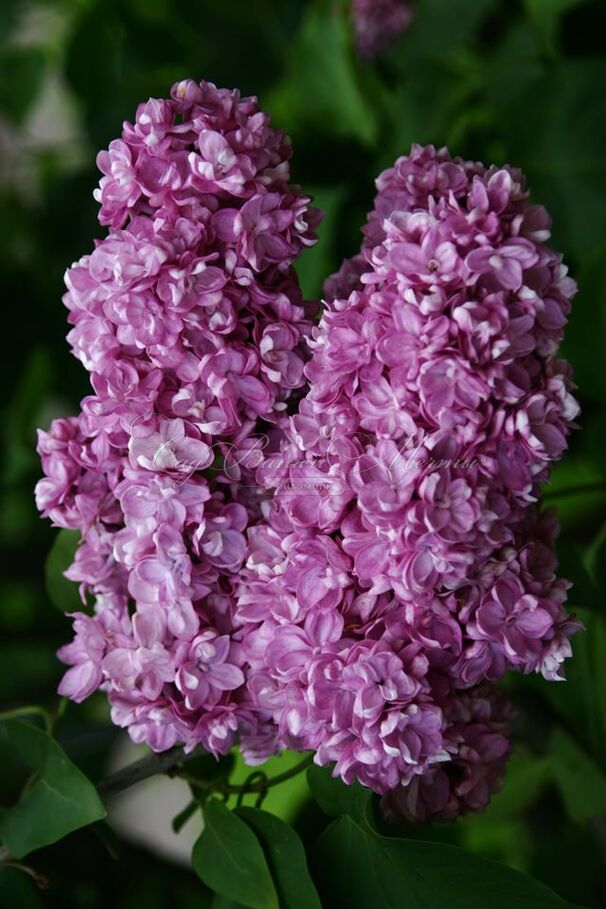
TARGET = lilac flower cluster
x,y
377,23
405,565
189,318
394,564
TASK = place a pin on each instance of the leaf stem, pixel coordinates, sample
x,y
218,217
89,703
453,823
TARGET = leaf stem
x,y
170,762
253,784
8,861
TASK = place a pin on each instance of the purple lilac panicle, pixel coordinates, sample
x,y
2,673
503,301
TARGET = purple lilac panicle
x,y
189,318
377,23
382,606
374,614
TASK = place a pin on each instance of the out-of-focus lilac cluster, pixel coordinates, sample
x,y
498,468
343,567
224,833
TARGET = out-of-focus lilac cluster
x,y
377,23
405,565
189,318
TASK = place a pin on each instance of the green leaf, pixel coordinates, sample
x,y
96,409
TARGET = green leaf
x,y
60,800
32,661
18,890
526,778
442,106
286,859
21,73
24,416
228,858
581,783
546,14
577,487
9,13
438,31
335,797
321,87
359,869
316,263
572,565
556,128
596,563
581,701
503,831
62,592
219,902
583,343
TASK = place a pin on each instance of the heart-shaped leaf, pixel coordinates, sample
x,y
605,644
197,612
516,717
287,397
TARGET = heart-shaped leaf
x,y
229,859
357,868
286,859
60,800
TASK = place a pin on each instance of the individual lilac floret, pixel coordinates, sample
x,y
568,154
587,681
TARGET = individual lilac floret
x,y
406,563
377,23
189,318
477,737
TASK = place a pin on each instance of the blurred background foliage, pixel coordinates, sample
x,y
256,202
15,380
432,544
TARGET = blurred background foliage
x,y
516,81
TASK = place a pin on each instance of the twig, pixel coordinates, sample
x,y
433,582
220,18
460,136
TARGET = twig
x,y
148,766
40,880
250,786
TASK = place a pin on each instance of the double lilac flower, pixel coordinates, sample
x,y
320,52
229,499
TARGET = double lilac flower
x,y
390,601
189,318
392,563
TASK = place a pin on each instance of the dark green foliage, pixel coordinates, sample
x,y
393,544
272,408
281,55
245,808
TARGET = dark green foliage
x,y
229,859
58,800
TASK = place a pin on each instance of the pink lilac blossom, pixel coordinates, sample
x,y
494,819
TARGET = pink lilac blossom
x,y
405,565
377,23
477,738
189,319
398,563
